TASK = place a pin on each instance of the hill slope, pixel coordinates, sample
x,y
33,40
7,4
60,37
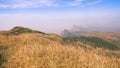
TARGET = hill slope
x,y
18,30
112,37
94,42
40,50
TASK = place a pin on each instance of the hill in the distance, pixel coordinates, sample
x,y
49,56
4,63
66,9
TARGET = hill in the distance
x,y
77,30
26,48
18,30
93,37
112,37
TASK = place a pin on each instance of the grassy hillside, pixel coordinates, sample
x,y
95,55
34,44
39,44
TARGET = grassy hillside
x,y
19,30
39,50
112,37
94,42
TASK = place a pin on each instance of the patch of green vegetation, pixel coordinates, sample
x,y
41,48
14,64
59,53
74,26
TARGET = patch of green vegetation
x,y
2,59
94,42
19,30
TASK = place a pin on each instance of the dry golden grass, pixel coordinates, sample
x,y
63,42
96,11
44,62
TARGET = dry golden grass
x,y
39,51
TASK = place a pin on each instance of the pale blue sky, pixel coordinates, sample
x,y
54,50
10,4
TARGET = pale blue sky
x,y
56,15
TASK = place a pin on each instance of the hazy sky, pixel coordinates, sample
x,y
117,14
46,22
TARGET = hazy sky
x,y
56,15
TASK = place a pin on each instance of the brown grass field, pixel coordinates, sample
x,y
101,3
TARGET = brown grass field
x,y
30,50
